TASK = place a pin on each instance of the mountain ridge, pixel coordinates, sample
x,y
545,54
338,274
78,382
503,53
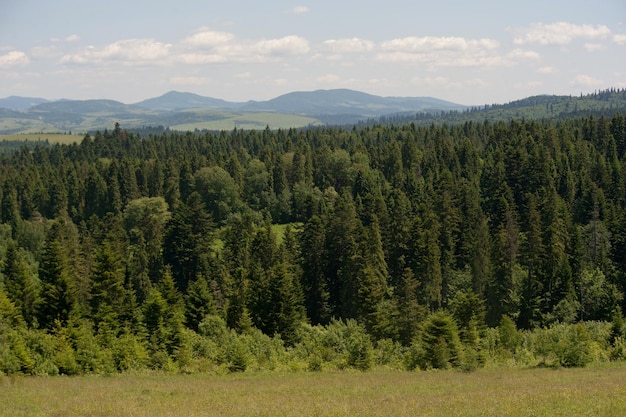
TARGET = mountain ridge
x,y
182,110
189,111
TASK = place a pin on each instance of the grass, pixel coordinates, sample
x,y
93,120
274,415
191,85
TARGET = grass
x,y
249,121
502,392
61,138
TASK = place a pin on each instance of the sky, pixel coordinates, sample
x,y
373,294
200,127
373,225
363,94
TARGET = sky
x,y
467,52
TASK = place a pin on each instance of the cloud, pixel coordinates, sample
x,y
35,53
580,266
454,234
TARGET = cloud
x,y
200,58
593,47
209,38
212,47
300,10
71,38
430,43
521,54
328,78
587,81
444,82
443,52
188,80
559,33
13,59
351,45
547,70
128,51
289,45
619,39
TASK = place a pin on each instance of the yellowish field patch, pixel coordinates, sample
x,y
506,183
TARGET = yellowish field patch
x,y
502,392
39,137
251,121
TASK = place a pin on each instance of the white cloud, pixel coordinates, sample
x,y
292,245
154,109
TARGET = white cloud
x,y
70,38
593,47
619,39
13,59
209,38
559,33
587,81
547,70
329,78
445,82
443,52
521,54
429,43
128,51
200,58
188,80
289,45
300,10
352,45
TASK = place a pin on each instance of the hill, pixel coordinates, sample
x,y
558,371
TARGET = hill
x,y
20,103
175,100
188,111
344,101
541,107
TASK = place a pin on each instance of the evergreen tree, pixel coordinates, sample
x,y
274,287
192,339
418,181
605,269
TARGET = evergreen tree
x,y
187,241
22,287
58,294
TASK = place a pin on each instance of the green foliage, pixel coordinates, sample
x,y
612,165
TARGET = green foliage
x,y
416,239
440,342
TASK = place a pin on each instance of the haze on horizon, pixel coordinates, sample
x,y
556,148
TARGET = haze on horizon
x,y
469,53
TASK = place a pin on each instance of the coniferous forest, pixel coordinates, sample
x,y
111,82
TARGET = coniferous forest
x,y
405,246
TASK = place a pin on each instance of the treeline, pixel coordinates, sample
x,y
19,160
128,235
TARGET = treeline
x,y
426,246
605,103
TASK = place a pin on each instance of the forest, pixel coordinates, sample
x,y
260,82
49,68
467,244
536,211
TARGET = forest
x,y
411,247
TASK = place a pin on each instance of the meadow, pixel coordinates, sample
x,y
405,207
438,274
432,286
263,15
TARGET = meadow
x,y
258,121
595,391
60,138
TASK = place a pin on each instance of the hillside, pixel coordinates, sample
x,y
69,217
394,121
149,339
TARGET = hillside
x,y
403,246
187,111
191,111
175,100
20,103
542,107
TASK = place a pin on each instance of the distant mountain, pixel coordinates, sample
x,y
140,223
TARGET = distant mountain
x,y
175,100
83,107
179,110
349,102
20,103
188,111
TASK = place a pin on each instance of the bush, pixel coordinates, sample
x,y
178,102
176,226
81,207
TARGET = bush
x,y
574,350
441,343
359,350
237,355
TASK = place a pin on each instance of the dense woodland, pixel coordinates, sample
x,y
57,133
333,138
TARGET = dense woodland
x,y
398,245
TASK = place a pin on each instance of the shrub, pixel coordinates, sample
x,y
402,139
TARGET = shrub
x,y
574,350
440,341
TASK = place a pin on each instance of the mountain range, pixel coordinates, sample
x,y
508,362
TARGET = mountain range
x,y
188,111
184,111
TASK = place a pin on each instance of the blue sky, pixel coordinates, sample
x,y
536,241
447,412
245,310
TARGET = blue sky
x,y
478,52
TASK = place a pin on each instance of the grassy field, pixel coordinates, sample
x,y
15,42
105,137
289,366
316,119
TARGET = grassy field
x,y
51,137
503,392
249,121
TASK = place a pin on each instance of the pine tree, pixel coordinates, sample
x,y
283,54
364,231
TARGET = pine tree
x,y
199,303
58,295
22,287
314,279
187,241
